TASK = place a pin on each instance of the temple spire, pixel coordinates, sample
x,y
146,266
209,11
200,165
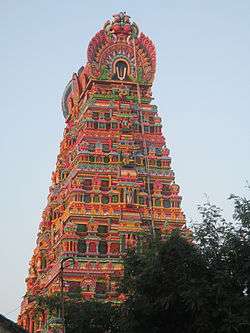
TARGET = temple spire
x,y
113,183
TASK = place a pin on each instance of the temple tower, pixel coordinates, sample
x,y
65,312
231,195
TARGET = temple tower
x,y
113,182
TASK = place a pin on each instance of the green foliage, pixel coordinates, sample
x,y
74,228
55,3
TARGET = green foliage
x,y
204,286
50,303
90,317
163,285
80,316
211,232
226,249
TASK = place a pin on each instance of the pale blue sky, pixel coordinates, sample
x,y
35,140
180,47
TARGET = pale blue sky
x,y
202,90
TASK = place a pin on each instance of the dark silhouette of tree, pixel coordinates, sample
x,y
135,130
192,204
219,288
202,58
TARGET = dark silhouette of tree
x,y
201,286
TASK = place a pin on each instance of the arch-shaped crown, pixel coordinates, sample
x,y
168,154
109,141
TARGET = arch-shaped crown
x,y
120,39
117,52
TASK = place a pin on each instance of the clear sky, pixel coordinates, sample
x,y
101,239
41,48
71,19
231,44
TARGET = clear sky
x,y
202,89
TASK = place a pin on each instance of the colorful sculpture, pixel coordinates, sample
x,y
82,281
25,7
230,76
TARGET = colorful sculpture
x,y
113,182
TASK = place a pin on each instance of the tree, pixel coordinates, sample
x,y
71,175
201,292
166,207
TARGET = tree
x,y
80,316
164,286
91,317
200,286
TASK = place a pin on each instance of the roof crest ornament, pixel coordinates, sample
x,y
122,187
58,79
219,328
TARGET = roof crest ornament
x,y
121,25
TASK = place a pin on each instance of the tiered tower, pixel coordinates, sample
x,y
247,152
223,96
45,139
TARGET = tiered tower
x,y
113,182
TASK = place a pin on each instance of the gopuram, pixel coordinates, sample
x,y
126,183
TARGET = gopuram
x,y
113,181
